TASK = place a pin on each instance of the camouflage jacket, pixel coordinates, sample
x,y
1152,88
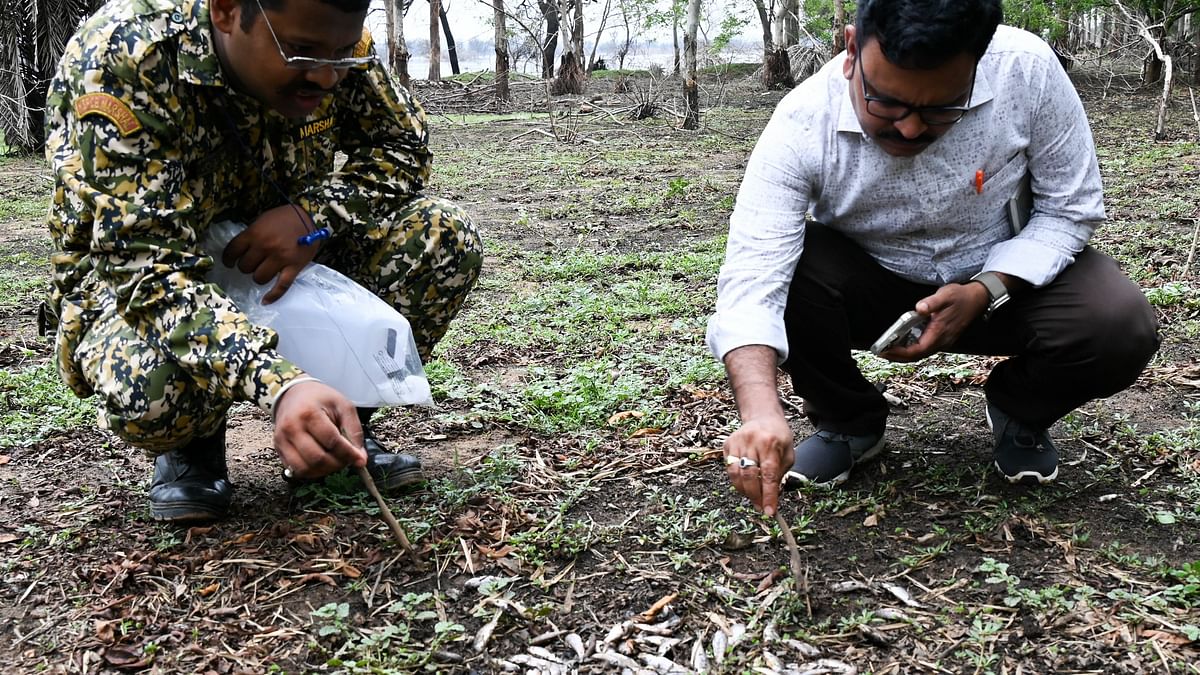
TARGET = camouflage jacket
x,y
141,136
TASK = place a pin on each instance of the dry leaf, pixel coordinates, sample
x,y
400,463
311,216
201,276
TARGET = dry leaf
x,y
871,520
121,657
307,542
4,459
624,415
645,431
105,630
8,538
209,590
350,571
244,538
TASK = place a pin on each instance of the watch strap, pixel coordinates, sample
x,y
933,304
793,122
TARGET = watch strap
x,y
996,290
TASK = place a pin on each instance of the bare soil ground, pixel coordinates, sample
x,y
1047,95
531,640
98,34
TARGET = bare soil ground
x,y
577,518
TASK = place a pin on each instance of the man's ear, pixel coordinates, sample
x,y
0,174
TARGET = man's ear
x,y
226,15
851,53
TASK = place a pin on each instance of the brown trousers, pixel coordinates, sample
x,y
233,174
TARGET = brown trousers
x,y
1085,335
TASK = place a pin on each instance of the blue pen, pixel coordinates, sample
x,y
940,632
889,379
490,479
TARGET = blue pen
x,y
314,236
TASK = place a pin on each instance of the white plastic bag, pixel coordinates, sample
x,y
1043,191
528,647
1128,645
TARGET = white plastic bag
x,y
332,328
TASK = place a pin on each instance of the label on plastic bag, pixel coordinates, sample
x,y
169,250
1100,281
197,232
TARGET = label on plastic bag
x,y
332,328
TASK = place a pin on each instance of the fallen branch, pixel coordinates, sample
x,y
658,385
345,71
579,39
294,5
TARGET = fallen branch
x,y
793,550
386,514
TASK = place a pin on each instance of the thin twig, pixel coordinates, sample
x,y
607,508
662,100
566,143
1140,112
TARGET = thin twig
x,y
793,550
387,516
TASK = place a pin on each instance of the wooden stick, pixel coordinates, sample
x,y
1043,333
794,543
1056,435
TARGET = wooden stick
x,y
386,513
793,550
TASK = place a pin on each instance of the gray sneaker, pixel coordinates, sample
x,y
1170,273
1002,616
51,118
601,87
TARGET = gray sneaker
x,y
1023,454
826,458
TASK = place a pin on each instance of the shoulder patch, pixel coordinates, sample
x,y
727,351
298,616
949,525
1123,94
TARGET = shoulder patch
x,y
111,108
363,48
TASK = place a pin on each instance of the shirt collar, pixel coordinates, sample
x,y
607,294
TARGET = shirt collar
x,y
198,61
848,119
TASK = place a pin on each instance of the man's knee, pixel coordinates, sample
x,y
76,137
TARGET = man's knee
x,y
157,408
1121,336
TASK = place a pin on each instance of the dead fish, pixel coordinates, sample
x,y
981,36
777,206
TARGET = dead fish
x,y
617,632
662,664
542,665
699,657
719,642
891,614
576,644
849,587
485,633
827,666
804,648
619,660
736,632
901,595
543,653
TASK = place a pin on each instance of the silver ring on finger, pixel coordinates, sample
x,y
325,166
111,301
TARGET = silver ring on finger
x,y
288,473
747,463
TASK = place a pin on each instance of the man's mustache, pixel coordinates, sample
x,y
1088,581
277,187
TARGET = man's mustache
x,y
923,139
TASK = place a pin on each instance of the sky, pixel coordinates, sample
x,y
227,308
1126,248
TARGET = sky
x,y
471,20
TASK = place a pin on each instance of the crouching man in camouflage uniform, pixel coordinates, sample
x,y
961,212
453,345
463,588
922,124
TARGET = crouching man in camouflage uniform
x,y
168,115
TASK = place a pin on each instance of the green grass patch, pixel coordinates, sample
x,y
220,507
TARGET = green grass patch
x,y
488,118
617,74
39,405
731,69
22,279
23,208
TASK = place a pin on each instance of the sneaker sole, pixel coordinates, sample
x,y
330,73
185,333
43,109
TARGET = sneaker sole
x,y
185,512
1021,476
871,453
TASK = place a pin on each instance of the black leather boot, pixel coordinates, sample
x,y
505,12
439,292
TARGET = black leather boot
x,y
391,471
192,483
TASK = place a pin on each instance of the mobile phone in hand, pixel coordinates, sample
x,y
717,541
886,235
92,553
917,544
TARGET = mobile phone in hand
x,y
904,332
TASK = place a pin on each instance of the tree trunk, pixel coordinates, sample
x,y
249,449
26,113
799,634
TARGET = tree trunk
x,y
839,26
435,41
777,67
675,35
577,32
450,50
791,23
691,89
501,51
550,13
569,79
764,18
397,49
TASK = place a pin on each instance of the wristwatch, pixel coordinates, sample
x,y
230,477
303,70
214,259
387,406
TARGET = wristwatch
x,y
996,290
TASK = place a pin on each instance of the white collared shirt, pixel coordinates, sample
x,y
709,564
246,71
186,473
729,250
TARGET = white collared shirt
x,y
920,217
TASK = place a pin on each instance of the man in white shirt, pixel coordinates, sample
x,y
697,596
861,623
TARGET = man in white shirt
x,y
904,153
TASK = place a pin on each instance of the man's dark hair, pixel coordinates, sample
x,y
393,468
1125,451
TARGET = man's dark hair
x,y
250,8
925,34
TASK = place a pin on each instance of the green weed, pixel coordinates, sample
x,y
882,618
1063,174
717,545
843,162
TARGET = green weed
x,y
23,208
39,405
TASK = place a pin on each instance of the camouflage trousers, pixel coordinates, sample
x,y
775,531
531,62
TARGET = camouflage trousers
x,y
423,260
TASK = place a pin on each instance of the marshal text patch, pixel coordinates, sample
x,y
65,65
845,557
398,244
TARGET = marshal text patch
x,y
111,108
316,127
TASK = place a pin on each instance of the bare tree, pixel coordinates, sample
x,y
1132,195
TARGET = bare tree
x,y
397,49
501,51
777,67
839,26
435,41
451,49
599,35
1148,33
691,89
570,76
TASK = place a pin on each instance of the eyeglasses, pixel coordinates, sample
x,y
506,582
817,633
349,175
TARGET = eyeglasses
x,y
894,111
305,62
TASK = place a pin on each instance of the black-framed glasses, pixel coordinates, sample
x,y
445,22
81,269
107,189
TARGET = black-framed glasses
x,y
308,63
894,111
